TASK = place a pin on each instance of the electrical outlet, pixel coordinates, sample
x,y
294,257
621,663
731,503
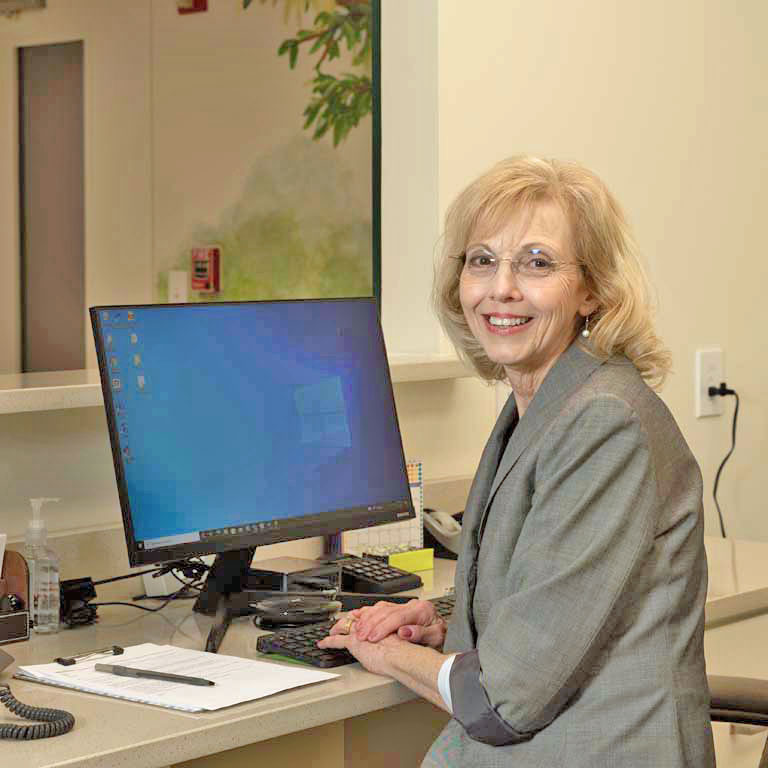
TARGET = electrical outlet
x,y
178,280
709,373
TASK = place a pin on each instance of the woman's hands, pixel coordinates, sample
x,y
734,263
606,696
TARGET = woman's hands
x,y
391,639
375,657
416,622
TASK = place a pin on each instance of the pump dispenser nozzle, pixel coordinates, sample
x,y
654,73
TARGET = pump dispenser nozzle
x,y
36,532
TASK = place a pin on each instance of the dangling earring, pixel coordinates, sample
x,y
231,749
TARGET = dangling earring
x,y
585,332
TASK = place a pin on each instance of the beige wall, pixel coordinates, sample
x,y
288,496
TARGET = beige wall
x,y
66,453
118,221
667,102
410,216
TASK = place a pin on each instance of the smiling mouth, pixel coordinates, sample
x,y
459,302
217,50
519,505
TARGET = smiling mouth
x,y
507,322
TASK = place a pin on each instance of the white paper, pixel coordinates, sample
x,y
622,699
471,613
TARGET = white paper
x,y
236,679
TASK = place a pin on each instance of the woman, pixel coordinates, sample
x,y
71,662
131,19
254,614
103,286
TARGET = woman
x,y
577,637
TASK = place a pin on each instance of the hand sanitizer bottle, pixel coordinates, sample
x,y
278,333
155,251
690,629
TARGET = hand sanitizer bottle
x,y
43,573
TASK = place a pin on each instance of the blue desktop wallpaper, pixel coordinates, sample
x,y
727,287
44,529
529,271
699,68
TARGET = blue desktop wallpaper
x,y
229,414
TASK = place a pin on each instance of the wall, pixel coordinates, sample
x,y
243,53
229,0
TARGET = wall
x,y
118,232
66,453
171,150
444,423
409,186
667,102
233,165
668,125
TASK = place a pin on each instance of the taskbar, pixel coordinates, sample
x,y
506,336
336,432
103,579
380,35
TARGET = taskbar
x,y
355,517
354,514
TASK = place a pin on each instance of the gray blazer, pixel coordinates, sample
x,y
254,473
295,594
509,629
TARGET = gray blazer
x,y
580,586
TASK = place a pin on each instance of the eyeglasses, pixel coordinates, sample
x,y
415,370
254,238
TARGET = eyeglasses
x,y
533,264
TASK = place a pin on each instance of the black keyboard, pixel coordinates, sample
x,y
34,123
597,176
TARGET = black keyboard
x,y
300,643
369,574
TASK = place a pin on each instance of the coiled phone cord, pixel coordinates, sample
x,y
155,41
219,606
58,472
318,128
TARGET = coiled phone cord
x,y
54,721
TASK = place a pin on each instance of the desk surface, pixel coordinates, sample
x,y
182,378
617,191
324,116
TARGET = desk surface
x,y
111,734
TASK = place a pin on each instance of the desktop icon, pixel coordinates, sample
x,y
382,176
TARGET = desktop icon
x,y
105,316
140,382
137,360
113,362
130,317
109,339
117,385
134,338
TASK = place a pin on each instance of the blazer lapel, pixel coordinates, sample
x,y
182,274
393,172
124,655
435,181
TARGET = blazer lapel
x,y
571,370
489,462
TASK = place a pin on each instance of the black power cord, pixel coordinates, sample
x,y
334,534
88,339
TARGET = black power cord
x,y
722,391
192,569
77,595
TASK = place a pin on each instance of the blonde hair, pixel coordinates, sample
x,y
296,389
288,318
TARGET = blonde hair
x,y
603,247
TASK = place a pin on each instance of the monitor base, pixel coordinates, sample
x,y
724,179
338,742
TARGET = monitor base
x,y
231,575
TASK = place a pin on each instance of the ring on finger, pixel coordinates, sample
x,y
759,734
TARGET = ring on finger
x,y
347,626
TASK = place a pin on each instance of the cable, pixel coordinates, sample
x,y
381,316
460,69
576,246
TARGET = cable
x,y
196,585
54,721
76,594
193,569
140,607
722,391
127,576
188,591
180,595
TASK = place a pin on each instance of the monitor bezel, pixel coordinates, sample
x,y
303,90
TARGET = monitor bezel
x,y
333,521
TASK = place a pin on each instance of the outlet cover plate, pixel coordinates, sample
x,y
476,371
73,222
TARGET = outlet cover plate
x,y
709,373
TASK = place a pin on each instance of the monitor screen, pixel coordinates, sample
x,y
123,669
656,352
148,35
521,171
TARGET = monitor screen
x,y
235,425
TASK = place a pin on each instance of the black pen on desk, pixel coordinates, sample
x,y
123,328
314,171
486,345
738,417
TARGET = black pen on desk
x,y
150,674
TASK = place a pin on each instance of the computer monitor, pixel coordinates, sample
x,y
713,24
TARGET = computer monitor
x,y
234,425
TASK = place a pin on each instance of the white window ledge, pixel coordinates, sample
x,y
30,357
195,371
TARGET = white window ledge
x,y
27,392
418,367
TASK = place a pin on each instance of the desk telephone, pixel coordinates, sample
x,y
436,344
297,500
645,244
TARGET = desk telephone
x,y
442,532
54,721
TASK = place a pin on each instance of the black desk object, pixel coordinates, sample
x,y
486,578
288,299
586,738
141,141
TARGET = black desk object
x,y
369,574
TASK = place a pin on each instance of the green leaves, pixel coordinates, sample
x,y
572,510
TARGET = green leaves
x,y
337,103
291,47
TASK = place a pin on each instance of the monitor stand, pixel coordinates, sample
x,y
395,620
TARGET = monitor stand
x,y
231,574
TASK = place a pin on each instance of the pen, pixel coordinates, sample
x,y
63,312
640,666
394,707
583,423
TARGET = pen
x,y
149,674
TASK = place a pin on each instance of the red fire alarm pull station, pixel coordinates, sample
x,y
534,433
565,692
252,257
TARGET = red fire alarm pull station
x,y
191,6
205,269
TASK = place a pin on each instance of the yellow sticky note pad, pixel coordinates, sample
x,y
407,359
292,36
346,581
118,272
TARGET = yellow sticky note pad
x,y
414,560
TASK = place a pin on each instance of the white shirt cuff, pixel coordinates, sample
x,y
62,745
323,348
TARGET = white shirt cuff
x,y
444,681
